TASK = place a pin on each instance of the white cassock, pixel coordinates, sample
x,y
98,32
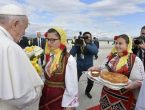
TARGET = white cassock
x,y
140,105
70,96
20,84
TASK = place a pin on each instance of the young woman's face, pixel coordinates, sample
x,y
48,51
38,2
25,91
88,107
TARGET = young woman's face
x,y
53,41
121,45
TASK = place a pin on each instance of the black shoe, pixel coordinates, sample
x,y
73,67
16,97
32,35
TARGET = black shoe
x,y
89,95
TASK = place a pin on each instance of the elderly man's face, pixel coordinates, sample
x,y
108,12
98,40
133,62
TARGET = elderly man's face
x,y
20,31
38,34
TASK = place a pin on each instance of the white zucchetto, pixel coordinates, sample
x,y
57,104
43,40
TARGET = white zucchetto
x,y
11,10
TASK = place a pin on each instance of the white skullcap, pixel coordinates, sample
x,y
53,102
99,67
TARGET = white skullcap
x,y
11,10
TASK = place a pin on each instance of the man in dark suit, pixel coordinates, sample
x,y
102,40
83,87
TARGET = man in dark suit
x,y
23,42
41,43
139,49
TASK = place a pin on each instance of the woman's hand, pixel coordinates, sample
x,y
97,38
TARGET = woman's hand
x,y
68,108
42,86
93,68
132,85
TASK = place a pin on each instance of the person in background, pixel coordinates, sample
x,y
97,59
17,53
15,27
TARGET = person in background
x,y
39,42
108,41
20,83
23,42
30,41
85,55
67,41
122,60
96,42
60,74
114,41
139,49
73,40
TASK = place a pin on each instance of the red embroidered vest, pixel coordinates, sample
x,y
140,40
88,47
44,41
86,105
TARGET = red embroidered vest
x,y
57,78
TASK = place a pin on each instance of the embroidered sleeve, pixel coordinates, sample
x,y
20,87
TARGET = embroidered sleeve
x,y
137,72
140,84
103,67
70,96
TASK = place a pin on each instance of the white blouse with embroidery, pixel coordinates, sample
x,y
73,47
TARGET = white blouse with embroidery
x,y
70,96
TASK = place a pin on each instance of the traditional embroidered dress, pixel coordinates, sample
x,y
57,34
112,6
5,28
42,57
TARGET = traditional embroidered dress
x,y
60,89
121,99
61,85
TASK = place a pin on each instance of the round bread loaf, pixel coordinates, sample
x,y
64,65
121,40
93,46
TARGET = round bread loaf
x,y
114,77
95,73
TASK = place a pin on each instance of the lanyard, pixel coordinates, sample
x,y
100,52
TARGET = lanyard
x,y
82,49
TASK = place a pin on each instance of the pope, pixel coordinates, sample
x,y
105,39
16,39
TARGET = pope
x,y
20,85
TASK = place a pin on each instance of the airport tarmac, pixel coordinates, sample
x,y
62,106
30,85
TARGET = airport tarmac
x,y
84,101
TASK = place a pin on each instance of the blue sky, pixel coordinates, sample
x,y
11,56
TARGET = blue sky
x,y
103,18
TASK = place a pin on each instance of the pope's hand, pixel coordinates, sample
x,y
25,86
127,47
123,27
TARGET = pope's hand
x,y
132,85
93,68
42,86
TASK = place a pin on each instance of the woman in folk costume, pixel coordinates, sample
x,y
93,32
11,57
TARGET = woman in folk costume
x,y
61,86
122,60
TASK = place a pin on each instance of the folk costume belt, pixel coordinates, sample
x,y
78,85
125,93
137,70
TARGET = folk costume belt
x,y
54,84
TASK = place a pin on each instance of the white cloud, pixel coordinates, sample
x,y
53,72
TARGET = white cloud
x,y
115,7
109,24
75,16
58,6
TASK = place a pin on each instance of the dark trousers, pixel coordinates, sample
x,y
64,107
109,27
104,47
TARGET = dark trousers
x,y
42,58
90,82
96,56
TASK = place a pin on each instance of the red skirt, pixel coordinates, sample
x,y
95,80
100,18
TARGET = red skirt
x,y
51,98
116,99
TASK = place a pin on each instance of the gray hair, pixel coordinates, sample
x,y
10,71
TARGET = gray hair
x,y
7,19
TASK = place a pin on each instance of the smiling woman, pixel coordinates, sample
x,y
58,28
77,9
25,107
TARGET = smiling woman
x,y
121,60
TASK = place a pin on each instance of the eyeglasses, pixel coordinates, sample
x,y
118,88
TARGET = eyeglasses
x,y
51,40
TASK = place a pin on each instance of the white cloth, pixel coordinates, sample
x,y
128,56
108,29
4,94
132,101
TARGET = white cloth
x,y
20,84
136,74
70,96
141,98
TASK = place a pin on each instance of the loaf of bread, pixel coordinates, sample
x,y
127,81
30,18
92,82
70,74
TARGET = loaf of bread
x,y
114,77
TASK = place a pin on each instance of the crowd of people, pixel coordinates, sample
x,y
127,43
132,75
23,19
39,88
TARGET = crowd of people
x,y
57,88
